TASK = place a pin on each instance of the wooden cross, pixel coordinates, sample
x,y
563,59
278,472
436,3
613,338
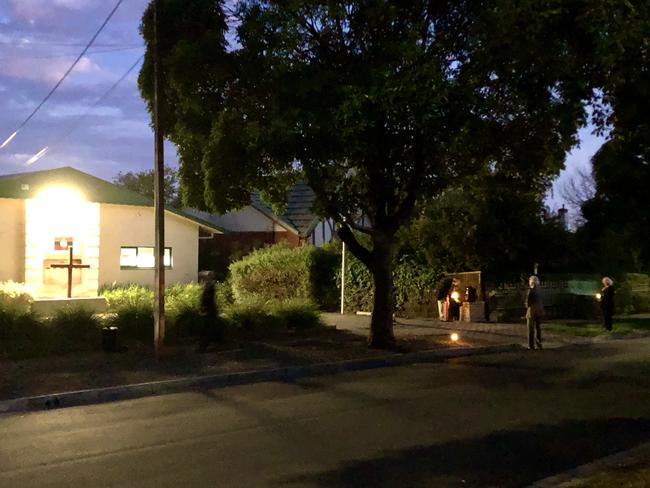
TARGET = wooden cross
x,y
70,267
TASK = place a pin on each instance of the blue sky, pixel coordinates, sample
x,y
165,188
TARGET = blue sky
x,y
39,40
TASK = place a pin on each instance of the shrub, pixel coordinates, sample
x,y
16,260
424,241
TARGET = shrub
x,y
323,263
278,272
358,284
133,322
182,297
257,318
414,285
295,314
252,318
131,310
15,297
22,335
73,329
130,297
223,294
187,323
632,293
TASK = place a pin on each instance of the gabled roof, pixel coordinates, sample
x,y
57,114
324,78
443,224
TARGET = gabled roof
x,y
27,185
298,215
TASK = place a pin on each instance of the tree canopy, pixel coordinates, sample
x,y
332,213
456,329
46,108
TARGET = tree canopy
x,y
377,104
142,182
616,231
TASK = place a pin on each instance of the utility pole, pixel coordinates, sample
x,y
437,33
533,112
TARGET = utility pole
x,y
342,278
159,195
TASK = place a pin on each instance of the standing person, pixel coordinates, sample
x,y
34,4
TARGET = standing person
x,y
443,291
607,302
453,299
534,313
211,327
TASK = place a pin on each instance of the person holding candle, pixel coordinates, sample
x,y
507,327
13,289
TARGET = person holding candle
x,y
607,302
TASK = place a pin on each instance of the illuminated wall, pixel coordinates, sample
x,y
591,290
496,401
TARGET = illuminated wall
x,y
54,218
131,225
12,230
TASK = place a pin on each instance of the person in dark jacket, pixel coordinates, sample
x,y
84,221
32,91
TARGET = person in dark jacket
x,y
443,291
454,300
534,313
607,302
211,328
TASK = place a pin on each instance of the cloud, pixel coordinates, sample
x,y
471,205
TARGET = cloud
x,y
39,40
46,70
38,9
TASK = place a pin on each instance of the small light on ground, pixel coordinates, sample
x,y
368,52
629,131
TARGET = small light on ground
x,y
454,337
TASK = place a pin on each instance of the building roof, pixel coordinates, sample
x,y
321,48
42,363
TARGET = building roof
x,y
27,185
298,215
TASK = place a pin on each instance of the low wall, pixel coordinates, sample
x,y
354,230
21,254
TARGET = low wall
x,y
47,306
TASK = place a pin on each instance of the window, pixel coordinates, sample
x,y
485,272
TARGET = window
x,y
142,257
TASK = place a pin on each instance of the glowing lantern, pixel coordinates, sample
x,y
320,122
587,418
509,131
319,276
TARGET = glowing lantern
x,y
455,296
598,296
454,337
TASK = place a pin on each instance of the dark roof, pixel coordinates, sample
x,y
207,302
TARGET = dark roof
x,y
298,214
27,185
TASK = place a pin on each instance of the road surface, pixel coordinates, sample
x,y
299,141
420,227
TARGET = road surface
x,y
498,420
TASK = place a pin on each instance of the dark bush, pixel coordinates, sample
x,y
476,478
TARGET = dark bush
x,y
73,329
133,322
413,280
296,314
22,335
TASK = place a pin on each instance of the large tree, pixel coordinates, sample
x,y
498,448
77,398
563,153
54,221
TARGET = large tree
x,y
494,225
377,104
142,182
617,227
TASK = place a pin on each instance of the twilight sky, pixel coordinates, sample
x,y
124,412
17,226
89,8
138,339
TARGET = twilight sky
x,y
39,40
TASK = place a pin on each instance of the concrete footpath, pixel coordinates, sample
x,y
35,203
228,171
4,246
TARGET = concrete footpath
x,y
483,333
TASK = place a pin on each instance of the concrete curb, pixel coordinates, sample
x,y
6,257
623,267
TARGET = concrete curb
x,y
630,457
139,390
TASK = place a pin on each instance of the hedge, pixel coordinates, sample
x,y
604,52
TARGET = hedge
x,y
279,273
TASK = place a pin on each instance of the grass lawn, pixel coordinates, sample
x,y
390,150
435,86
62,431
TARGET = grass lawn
x,y
622,325
635,476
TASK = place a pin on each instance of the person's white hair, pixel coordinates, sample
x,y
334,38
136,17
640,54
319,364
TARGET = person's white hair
x,y
533,280
607,281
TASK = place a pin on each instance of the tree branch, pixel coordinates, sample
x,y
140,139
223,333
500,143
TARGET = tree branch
x,y
356,248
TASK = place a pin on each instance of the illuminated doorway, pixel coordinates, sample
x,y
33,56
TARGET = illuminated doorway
x,y
58,219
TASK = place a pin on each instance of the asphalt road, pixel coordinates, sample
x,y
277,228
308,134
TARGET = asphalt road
x,y
500,420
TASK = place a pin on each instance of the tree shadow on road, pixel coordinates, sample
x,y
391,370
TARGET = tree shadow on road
x,y
505,459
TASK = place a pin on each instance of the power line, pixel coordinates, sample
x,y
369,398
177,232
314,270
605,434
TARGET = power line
x,y
58,83
29,43
58,56
76,123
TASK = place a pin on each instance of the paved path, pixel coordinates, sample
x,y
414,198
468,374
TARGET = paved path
x,y
503,420
473,333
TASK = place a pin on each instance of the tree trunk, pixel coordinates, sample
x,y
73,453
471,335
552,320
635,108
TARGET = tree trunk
x,y
381,324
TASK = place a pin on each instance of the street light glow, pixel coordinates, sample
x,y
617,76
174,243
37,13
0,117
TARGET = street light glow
x,y
8,140
37,156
